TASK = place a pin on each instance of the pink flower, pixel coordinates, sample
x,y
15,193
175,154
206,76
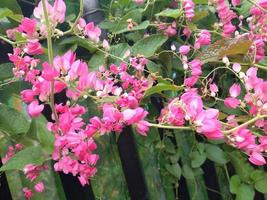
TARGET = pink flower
x,y
244,139
92,31
208,124
236,67
190,81
139,2
33,47
27,193
213,89
187,32
49,73
56,13
34,109
184,49
231,102
39,187
195,66
59,10
27,26
28,95
170,31
235,90
131,116
142,127
228,28
204,38
193,104
257,159
188,6
236,2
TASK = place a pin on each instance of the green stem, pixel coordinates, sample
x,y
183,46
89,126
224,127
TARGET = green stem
x,y
77,19
7,40
170,127
260,66
50,59
245,124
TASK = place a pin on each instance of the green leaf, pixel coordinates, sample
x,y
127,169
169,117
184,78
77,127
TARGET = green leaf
x,y
118,50
141,26
87,44
45,137
33,155
216,154
245,192
261,185
4,12
96,60
122,24
149,45
174,13
200,1
235,182
174,170
197,159
6,71
257,175
12,122
157,89
153,67
11,5
188,172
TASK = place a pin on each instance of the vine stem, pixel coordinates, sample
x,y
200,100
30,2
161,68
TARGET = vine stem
x,y
245,124
170,127
77,19
260,66
7,40
50,59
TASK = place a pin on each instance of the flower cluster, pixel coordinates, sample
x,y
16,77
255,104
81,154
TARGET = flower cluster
x,y
189,108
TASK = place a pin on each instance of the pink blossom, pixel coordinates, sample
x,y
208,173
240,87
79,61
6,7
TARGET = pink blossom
x,y
33,47
187,32
59,10
188,6
142,127
195,66
184,49
235,90
39,187
49,73
92,31
139,2
208,124
34,109
231,102
190,81
203,39
131,116
213,89
257,159
56,13
170,31
28,95
236,67
236,2
193,104
244,139
27,193
27,26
